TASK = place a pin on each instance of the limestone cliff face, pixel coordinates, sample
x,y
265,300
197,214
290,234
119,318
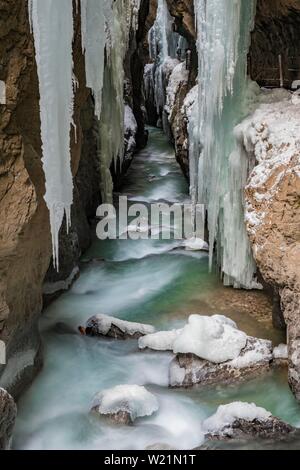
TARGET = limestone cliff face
x,y
273,211
25,242
8,412
25,245
26,270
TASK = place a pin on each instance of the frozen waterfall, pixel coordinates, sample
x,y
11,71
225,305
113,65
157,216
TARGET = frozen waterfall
x,y
218,171
52,26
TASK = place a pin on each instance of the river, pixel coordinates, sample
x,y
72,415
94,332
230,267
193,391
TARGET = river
x,y
148,281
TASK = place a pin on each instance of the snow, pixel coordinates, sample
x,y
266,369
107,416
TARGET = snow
x,y
2,92
262,351
272,135
226,415
104,323
281,352
130,123
210,338
160,341
195,244
178,77
133,399
52,26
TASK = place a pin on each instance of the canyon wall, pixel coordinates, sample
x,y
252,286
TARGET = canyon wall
x,y
27,277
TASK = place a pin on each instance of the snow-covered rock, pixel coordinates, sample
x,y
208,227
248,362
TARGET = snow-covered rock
x,y
178,76
195,244
280,352
160,341
104,325
255,358
125,403
210,338
240,420
226,415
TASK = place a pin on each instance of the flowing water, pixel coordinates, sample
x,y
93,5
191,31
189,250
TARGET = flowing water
x,y
150,281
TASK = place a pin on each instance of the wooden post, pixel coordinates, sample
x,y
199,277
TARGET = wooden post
x,y
281,71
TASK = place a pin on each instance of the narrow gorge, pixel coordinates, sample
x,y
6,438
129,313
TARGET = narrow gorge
x,y
150,224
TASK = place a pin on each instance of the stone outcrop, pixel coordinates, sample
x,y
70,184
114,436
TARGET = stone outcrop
x,y
273,211
8,413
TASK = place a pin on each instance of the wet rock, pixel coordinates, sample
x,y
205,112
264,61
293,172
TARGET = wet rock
x,y
255,358
124,404
104,325
8,413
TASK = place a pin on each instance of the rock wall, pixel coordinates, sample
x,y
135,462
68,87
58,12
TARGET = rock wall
x,y
8,413
26,270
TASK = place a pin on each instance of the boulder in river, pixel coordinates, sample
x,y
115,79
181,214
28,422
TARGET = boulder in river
x,y
245,421
104,325
125,403
254,359
8,413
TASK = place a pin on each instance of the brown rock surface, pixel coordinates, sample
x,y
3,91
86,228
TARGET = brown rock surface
x,y
8,413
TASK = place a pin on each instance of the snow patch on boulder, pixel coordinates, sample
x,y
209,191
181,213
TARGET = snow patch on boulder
x,y
210,338
280,352
160,341
226,415
195,244
133,400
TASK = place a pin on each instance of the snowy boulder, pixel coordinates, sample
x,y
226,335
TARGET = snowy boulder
x,y
160,341
254,359
215,339
104,325
125,403
240,420
195,244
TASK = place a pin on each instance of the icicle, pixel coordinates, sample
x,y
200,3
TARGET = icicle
x,y
217,174
96,19
52,26
124,18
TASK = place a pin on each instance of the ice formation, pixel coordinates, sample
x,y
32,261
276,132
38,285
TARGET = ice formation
x,y
178,76
124,19
215,339
160,341
132,399
218,176
52,26
96,25
163,42
2,92
226,415
195,244
103,324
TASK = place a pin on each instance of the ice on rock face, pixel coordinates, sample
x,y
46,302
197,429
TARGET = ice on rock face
x,y
52,26
212,338
218,173
132,399
2,92
226,415
160,341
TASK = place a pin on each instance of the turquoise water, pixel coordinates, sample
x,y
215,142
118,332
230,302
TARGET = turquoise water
x,y
150,281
